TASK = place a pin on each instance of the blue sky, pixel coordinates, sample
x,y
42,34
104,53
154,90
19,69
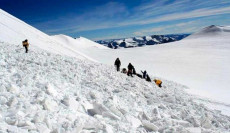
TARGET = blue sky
x,y
106,19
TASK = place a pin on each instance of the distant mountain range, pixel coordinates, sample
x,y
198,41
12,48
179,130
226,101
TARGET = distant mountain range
x,y
141,41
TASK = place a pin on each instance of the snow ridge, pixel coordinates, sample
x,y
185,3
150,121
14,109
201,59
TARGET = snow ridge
x,y
14,31
45,92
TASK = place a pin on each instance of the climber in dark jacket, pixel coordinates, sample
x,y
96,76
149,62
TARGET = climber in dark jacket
x,y
144,74
117,64
130,69
148,78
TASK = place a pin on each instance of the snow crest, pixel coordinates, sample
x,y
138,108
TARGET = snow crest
x,y
14,31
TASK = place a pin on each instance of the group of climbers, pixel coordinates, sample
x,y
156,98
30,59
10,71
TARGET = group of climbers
x,y
132,71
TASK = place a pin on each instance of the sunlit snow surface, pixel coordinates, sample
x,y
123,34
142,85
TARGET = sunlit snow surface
x,y
45,92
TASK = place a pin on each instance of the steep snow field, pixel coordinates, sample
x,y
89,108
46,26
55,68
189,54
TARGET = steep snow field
x,y
44,92
14,31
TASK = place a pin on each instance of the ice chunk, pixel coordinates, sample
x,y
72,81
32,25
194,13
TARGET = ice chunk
x,y
156,113
71,103
42,128
51,90
150,126
134,121
26,125
11,120
13,89
194,130
48,122
87,105
110,115
97,109
109,129
49,104
206,122
93,95
181,122
3,100
39,117
12,102
40,96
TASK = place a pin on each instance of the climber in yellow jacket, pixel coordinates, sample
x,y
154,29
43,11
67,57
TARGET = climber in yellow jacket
x,y
158,82
25,44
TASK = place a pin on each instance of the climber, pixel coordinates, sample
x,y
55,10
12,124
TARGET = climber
x,y
25,44
117,64
158,82
124,71
144,74
148,78
130,70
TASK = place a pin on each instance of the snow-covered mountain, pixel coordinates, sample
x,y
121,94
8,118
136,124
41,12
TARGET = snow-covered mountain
x,y
212,31
59,87
141,41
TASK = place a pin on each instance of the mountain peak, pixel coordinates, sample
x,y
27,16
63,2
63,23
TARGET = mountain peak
x,y
211,31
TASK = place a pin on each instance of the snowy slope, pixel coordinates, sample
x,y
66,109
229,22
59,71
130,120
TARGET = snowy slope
x,y
14,31
78,45
200,61
44,92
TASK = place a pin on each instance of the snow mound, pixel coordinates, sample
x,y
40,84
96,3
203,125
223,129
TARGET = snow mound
x,y
45,92
212,31
78,42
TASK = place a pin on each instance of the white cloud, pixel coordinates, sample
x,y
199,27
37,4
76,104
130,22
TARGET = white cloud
x,y
138,33
185,27
114,14
180,16
100,17
106,37
147,31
